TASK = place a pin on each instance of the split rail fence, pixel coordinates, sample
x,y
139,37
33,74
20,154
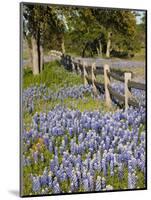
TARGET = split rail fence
x,y
89,72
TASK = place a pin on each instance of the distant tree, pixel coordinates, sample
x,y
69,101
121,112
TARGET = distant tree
x,y
86,25
32,30
27,40
116,22
41,22
83,29
141,30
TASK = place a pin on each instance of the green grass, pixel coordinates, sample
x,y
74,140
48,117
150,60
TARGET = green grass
x,y
53,76
139,56
87,104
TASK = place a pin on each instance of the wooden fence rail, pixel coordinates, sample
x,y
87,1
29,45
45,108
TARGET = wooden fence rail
x,y
133,84
55,53
89,72
116,77
122,97
99,70
127,98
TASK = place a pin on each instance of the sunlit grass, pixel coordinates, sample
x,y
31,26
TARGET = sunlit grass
x,y
53,76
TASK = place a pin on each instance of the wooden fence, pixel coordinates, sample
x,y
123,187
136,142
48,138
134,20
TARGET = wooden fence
x,y
55,53
88,73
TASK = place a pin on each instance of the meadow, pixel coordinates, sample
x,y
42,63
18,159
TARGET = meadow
x,y
72,142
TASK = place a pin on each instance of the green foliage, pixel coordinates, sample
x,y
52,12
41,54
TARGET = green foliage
x,y
88,23
116,20
75,26
84,27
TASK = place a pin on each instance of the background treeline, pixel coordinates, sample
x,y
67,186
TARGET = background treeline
x,y
80,31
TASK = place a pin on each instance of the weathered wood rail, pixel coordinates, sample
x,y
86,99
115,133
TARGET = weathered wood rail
x,y
89,72
133,84
55,53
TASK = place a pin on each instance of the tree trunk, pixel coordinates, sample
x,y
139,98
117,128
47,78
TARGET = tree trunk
x,y
35,57
63,46
41,58
108,45
30,58
100,48
29,46
98,52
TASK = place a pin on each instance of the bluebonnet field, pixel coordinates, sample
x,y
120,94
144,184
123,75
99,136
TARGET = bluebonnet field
x,y
73,143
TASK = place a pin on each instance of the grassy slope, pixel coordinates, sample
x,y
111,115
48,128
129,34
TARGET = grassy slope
x,y
53,76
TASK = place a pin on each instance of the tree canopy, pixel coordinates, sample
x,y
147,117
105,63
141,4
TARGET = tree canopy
x,y
82,31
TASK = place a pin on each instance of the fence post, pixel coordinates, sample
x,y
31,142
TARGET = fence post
x,y
127,77
73,64
66,61
70,63
62,59
93,67
106,83
78,67
84,73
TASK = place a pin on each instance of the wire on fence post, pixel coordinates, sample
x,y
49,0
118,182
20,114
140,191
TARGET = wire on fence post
x,y
127,76
93,67
84,73
106,84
